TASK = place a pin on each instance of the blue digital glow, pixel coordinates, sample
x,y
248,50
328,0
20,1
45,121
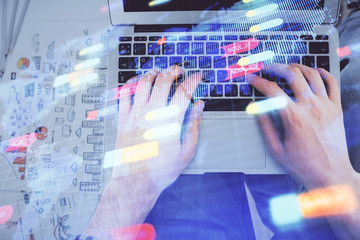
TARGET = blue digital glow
x,y
285,210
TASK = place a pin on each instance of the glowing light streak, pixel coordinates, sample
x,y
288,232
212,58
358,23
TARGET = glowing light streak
x,y
330,201
131,154
268,105
163,113
344,51
67,78
262,10
6,213
157,2
103,112
260,57
84,80
266,25
236,71
91,50
21,142
139,232
161,41
163,131
124,91
247,1
240,47
87,64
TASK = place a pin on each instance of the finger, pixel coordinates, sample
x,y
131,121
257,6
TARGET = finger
x,y
294,77
184,91
160,92
314,79
268,88
270,134
333,85
191,135
142,96
125,99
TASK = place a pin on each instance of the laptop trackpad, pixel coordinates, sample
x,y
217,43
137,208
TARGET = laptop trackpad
x,y
228,145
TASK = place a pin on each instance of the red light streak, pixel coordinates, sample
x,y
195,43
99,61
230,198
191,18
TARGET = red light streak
x,y
240,47
126,90
161,41
21,142
344,51
6,213
236,71
138,232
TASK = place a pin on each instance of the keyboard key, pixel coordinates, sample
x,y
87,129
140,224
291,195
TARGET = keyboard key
x,y
125,49
124,76
219,62
323,62
271,46
189,73
212,48
185,38
245,37
233,60
215,38
258,49
322,37
128,63
154,38
197,48
231,90
231,38
161,62
261,37
246,90
279,59
200,38
258,93
222,75
125,39
202,91
319,48
139,49
175,61
288,91
183,48
276,37
291,37
293,59
308,61
146,63
140,39
300,47
171,38
285,47
205,62
190,62
154,49
226,104
216,90
306,37
209,76
168,48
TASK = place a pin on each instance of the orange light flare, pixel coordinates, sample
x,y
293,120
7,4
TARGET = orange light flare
x,y
161,41
144,231
328,201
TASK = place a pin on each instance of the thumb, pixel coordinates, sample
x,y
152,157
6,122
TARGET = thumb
x,y
191,135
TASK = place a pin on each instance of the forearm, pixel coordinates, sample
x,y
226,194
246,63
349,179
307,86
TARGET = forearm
x,y
347,226
125,202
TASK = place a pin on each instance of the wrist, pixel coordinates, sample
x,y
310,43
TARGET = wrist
x,y
126,201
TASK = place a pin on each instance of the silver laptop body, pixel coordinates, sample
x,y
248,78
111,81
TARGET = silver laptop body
x,y
229,141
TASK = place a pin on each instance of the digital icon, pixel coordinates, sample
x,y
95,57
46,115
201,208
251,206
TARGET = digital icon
x,y
23,63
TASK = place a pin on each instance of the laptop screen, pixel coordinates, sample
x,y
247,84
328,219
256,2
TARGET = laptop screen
x,y
211,5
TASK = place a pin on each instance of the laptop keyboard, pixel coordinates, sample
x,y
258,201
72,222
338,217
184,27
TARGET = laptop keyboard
x,y
204,54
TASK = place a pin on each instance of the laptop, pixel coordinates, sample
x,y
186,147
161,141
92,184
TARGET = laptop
x,y
160,33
